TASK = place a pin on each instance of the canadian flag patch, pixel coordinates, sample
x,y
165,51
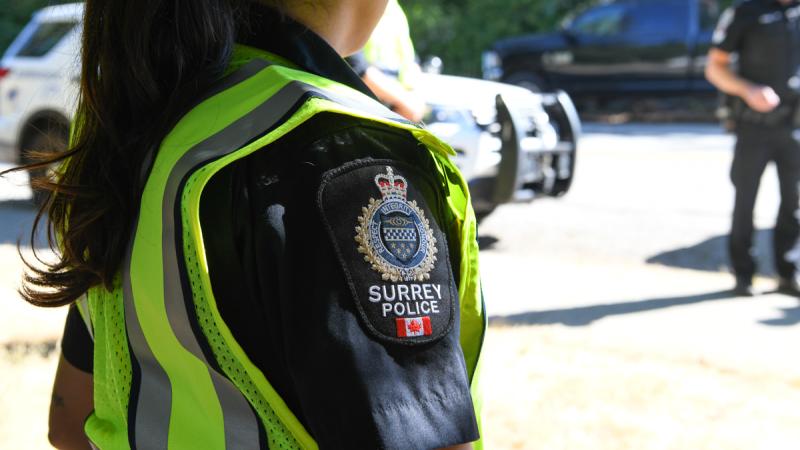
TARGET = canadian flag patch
x,y
413,327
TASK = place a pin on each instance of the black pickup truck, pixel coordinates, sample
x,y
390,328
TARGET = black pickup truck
x,y
636,47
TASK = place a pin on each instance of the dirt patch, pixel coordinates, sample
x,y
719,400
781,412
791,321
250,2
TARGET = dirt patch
x,y
548,387
562,388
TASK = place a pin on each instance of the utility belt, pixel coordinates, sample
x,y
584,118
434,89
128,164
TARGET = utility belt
x,y
786,114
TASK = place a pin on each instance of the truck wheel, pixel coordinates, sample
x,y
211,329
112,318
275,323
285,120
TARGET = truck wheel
x,y
49,137
564,116
482,214
527,80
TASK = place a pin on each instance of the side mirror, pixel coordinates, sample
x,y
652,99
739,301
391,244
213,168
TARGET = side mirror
x,y
432,65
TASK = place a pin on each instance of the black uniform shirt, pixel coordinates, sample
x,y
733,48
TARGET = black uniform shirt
x,y
358,62
766,36
291,282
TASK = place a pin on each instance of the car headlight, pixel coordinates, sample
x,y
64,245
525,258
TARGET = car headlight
x,y
492,65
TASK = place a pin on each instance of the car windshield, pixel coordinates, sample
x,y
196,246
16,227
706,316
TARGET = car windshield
x,y
46,36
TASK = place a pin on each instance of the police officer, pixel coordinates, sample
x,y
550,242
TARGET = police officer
x,y
388,64
391,49
765,34
259,254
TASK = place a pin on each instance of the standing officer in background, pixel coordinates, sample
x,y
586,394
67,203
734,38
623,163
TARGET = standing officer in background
x,y
388,64
766,36
390,47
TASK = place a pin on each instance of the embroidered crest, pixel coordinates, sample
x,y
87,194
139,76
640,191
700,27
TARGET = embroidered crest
x,y
398,269
394,235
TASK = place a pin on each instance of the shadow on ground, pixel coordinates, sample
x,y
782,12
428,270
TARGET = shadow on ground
x,y
487,242
711,255
586,315
16,217
791,316
652,110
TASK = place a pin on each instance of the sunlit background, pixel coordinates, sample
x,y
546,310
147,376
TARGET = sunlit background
x,y
612,322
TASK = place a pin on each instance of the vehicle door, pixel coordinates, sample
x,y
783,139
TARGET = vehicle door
x,y
43,69
656,49
630,46
594,38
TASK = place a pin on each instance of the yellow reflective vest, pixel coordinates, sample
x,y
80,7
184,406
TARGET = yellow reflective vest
x,y
390,47
154,387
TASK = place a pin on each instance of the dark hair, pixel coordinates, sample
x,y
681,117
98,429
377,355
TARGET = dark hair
x,y
143,63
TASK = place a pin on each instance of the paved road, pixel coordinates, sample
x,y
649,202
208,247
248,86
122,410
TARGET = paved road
x,y
630,337
638,244
13,186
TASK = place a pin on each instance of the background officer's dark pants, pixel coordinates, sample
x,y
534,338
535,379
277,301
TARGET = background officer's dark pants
x,y
755,147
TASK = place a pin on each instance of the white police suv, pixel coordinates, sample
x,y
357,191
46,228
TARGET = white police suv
x,y
38,83
512,144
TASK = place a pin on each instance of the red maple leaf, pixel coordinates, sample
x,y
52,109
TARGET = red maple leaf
x,y
414,326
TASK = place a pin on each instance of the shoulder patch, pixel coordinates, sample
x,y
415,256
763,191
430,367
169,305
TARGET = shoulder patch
x,y
393,252
393,233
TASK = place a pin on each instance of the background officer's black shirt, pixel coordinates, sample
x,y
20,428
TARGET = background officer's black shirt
x,y
281,290
766,36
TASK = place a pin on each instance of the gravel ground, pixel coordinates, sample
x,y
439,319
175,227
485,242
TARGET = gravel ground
x,y
611,322
558,388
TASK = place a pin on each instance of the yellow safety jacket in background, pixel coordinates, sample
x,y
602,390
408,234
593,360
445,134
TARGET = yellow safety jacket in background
x,y
185,400
390,47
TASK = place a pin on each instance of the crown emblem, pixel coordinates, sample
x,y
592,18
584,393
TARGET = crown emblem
x,y
392,187
393,233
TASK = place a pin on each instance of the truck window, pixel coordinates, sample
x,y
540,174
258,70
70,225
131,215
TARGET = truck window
x,y
606,20
46,36
663,20
709,12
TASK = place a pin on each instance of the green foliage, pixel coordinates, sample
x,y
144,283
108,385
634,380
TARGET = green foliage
x,y
14,14
458,31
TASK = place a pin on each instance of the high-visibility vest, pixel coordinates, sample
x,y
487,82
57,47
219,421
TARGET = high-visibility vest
x,y
154,385
390,47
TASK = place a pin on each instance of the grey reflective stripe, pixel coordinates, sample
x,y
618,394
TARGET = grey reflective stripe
x,y
243,73
368,105
83,309
153,407
154,399
241,424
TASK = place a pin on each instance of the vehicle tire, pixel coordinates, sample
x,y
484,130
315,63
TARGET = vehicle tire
x,y
563,114
484,213
50,138
526,79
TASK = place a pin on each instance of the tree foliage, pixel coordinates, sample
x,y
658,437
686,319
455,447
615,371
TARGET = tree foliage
x,y
458,31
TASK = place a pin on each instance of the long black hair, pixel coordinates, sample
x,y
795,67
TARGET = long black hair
x,y
143,63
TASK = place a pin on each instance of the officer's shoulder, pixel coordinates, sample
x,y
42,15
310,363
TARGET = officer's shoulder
x,y
748,7
330,138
